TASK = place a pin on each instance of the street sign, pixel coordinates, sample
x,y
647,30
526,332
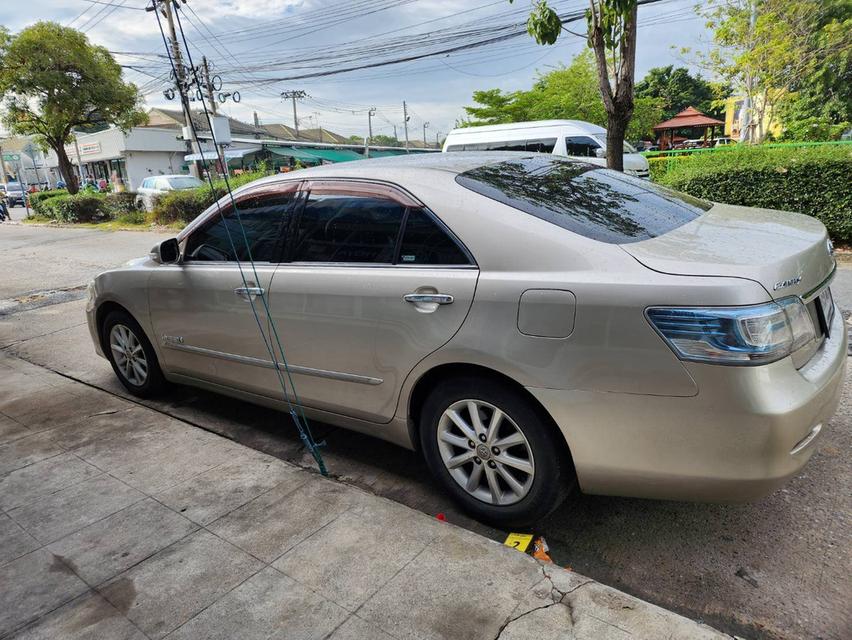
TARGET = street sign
x,y
12,157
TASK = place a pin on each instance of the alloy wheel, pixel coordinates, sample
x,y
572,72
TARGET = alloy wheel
x,y
128,354
485,452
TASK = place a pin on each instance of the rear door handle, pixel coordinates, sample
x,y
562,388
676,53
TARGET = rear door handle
x,y
249,293
437,298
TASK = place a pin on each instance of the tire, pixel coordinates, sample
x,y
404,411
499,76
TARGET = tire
x,y
120,331
533,495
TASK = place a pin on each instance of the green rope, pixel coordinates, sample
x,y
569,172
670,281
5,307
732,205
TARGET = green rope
x,y
298,417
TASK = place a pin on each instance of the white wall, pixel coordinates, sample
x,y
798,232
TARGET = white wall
x,y
141,164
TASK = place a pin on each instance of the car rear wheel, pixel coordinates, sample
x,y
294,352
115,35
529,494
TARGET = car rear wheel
x,y
494,452
131,355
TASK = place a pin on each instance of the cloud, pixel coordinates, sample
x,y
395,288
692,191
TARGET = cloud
x,y
436,89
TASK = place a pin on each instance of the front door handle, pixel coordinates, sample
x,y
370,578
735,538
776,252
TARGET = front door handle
x,y
420,298
249,293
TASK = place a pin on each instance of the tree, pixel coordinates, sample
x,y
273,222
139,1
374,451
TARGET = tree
x,y
611,34
378,140
568,92
678,90
771,49
55,81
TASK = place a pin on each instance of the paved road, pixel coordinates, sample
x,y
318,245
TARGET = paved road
x,y
777,568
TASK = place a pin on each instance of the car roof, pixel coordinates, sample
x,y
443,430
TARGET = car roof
x,y
580,125
387,167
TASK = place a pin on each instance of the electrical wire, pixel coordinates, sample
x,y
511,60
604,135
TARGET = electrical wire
x,y
303,427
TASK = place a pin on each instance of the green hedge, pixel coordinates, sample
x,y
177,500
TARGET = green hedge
x,y
86,206
186,205
40,196
815,180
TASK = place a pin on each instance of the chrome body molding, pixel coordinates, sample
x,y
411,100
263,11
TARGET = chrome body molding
x,y
267,364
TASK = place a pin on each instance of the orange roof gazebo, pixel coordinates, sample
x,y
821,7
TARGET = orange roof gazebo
x,y
690,118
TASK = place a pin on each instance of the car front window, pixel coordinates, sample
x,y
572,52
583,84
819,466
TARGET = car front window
x,y
262,219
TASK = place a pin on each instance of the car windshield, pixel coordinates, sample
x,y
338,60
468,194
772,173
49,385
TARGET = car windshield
x,y
13,186
593,202
601,138
185,182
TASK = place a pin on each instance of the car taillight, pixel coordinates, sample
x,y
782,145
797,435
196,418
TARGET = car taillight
x,y
735,335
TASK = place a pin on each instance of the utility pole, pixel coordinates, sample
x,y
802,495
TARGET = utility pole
x,y
79,161
316,115
405,122
180,74
2,167
31,151
425,125
394,134
208,88
294,94
370,113
746,129
208,85
437,140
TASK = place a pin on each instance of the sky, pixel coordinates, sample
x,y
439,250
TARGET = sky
x,y
252,42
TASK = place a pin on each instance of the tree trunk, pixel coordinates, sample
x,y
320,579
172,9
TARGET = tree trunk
x,y
66,169
616,127
618,102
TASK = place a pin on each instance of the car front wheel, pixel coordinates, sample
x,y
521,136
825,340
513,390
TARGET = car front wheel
x,y
131,355
494,452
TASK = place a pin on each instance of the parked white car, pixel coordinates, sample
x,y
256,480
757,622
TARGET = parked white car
x,y
158,185
572,138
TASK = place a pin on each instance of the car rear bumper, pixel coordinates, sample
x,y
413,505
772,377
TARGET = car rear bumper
x,y
746,432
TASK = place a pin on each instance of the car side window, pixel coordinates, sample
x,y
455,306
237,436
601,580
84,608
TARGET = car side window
x,y
582,146
342,227
147,183
162,184
424,241
264,219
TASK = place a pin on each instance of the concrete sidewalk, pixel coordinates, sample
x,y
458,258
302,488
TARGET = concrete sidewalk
x,y
119,522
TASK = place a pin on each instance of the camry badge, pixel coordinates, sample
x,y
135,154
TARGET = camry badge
x,y
787,283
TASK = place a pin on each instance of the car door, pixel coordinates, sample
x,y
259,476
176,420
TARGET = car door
x,y
207,311
374,283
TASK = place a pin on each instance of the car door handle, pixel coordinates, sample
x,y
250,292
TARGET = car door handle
x,y
249,293
437,298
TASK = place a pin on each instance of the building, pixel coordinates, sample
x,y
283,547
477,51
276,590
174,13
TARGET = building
x,y
25,161
735,119
689,122
131,156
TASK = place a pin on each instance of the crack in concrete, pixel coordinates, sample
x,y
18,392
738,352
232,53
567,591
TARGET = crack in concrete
x,y
557,596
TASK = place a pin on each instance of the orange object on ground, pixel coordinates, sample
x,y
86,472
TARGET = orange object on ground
x,y
540,550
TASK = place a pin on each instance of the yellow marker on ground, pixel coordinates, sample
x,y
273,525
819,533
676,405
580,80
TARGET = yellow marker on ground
x,y
519,541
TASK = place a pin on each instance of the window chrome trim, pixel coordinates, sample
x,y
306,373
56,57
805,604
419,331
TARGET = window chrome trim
x,y
267,364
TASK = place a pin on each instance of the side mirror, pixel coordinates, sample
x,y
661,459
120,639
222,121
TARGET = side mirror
x,y
600,153
167,252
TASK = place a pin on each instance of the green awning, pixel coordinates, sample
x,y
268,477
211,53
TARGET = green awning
x,y
293,152
316,155
375,153
335,155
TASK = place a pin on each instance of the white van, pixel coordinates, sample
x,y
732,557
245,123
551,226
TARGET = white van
x,y
573,138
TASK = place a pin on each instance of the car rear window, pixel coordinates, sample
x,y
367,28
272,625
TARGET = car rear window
x,y
596,203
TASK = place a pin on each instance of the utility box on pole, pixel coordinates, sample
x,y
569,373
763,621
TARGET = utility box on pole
x,y
221,130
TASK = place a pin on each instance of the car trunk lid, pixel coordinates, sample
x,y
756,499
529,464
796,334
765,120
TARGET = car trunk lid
x,y
787,253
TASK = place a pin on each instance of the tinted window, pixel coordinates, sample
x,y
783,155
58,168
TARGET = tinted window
x,y
263,218
347,228
425,242
582,146
539,145
596,203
